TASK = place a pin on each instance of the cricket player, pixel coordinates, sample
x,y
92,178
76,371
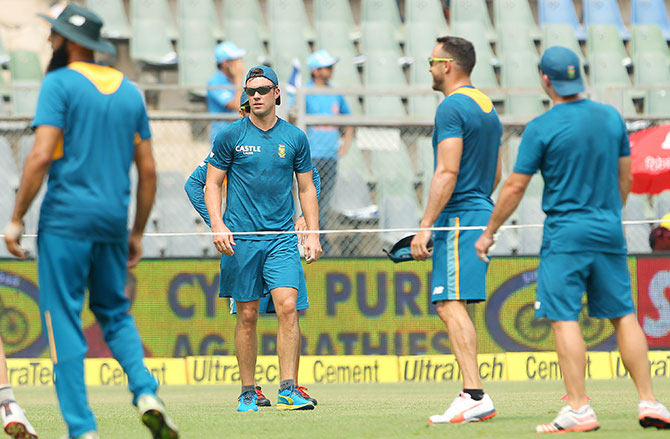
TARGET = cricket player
x,y
258,155
90,124
581,148
195,189
466,143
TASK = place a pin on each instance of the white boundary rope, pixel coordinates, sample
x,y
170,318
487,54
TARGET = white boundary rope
x,y
362,231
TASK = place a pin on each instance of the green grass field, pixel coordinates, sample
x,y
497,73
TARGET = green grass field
x,y
352,411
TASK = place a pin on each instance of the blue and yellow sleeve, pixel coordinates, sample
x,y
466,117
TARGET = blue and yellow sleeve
x,y
51,105
531,149
223,148
316,178
448,120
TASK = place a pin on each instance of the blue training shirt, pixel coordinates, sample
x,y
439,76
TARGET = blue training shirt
x,y
102,116
576,146
469,114
260,166
217,99
195,189
324,139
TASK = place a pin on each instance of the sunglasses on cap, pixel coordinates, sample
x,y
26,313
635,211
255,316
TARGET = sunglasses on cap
x,y
262,90
434,60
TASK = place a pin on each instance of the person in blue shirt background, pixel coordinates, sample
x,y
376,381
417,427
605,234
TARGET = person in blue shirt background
x,y
90,125
581,148
325,139
230,69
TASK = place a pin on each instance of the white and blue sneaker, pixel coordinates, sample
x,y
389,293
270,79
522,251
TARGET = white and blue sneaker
x,y
291,399
155,417
248,402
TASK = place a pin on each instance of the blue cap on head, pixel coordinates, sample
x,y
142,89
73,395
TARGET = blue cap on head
x,y
228,50
319,59
244,99
561,65
265,72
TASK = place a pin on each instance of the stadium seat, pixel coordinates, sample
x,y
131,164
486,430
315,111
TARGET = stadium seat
x,y
196,55
421,38
483,75
426,168
515,13
398,212
604,12
606,74
383,11
648,38
335,11
515,38
329,36
25,71
351,192
150,43
202,11
286,46
653,71
519,70
428,13
605,39
392,169
651,12
562,35
242,33
467,11
4,56
113,15
560,12
153,9
247,12
293,12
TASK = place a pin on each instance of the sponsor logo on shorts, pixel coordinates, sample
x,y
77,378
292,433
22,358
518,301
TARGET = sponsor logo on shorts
x,y
437,291
248,149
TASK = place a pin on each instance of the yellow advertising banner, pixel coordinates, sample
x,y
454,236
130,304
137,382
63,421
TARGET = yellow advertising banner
x,y
108,372
428,368
357,307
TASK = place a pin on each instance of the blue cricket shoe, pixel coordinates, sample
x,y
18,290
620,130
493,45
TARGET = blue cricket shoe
x,y
248,402
291,399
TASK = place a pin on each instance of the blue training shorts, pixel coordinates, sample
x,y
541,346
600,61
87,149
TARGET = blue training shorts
x,y
458,274
563,278
257,267
267,306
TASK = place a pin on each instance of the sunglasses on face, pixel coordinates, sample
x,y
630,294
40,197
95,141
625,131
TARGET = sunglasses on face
x,y
434,60
262,90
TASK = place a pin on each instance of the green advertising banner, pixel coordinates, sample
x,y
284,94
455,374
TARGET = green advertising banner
x,y
357,307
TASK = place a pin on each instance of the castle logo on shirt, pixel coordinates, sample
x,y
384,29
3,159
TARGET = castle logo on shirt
x,y
248,149
281,150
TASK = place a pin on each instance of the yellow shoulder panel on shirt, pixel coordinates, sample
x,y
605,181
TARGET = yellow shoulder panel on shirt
x,y
480,98
106,79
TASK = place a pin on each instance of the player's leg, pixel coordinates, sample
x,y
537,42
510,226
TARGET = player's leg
x,y
241,280
561,303
459,276
109,304
63,268
281,273
14,421
302,304
610,297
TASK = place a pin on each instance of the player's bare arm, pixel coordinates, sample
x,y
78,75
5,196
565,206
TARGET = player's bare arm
x,y
35,168
310,209
213,192
442,185
509,199
625,178
146,193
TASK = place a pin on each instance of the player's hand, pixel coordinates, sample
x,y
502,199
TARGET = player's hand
x,y
312,248
300,226
419,246
13,233
223,243
134,249
484,244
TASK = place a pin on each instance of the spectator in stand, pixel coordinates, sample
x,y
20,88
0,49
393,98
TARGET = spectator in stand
x,y
230,70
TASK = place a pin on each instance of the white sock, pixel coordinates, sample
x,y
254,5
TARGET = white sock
x,y
6,393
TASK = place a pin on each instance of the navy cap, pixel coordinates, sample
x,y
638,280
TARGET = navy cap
x,y
561,65
401,250
244,99
266,72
